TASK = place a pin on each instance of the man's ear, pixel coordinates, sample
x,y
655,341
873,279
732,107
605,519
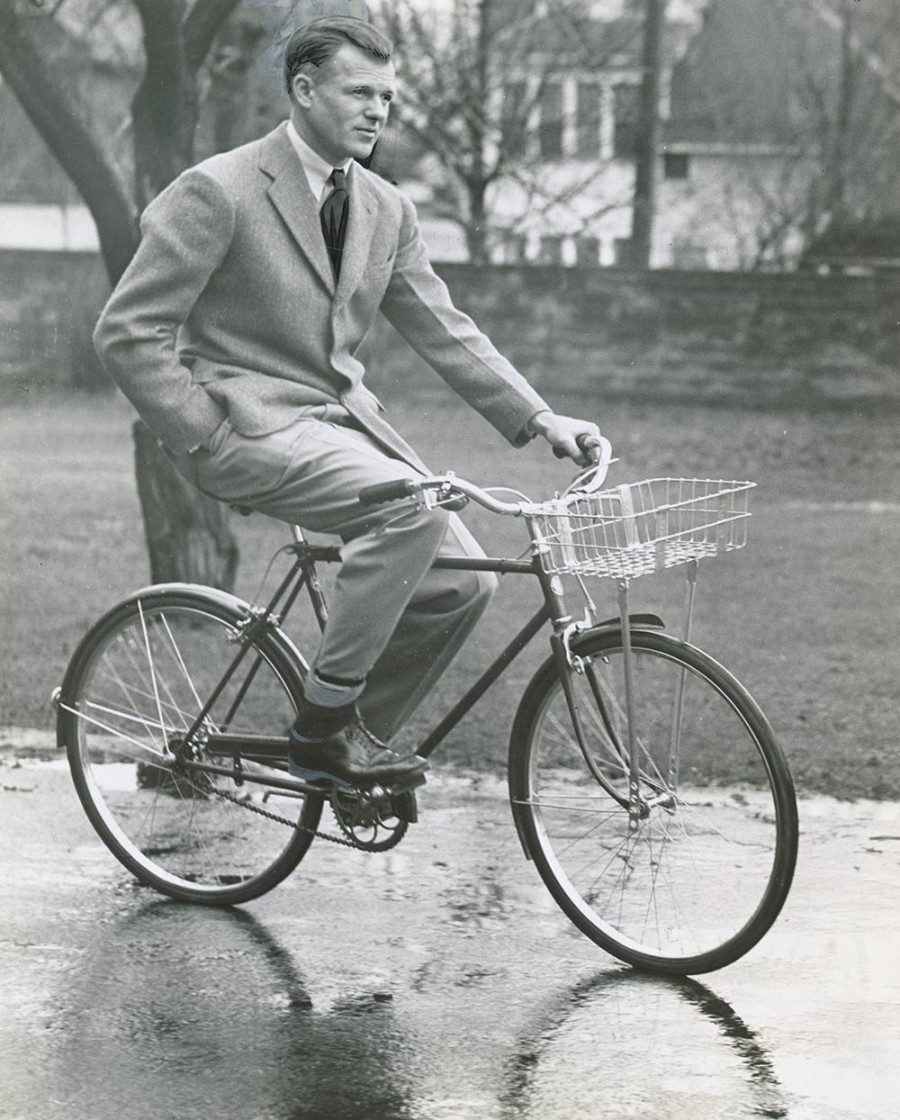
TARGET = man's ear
x,y
302,89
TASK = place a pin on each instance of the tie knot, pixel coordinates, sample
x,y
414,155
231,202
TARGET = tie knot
x,y
339,179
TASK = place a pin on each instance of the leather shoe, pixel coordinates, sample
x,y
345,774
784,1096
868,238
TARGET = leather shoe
x,y
354,757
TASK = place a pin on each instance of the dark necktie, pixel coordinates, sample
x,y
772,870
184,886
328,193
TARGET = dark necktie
x,y
335,211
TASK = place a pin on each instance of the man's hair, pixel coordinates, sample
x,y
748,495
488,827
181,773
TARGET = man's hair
x,y
318,41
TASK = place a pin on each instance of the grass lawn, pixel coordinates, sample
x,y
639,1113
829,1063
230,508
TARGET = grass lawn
x,y
806,615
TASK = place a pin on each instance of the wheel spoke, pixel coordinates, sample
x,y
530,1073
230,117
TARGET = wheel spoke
x,y
149,653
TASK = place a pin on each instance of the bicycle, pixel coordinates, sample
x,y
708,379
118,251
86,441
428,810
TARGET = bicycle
x,y
175,706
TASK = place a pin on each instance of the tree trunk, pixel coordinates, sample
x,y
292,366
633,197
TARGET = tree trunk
x,y
836,180
477,186
648,137
188,537
476,237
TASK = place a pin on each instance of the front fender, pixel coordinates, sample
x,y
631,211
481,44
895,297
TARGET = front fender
x,y
637,621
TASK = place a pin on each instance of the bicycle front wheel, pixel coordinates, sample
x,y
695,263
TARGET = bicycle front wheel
x,y
137,682
691,882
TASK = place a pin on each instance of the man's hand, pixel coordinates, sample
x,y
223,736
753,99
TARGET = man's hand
x,y
563,433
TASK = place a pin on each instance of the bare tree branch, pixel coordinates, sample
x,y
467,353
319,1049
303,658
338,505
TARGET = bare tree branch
x,y
201,25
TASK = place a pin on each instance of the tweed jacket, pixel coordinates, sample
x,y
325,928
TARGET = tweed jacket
x,y
230,307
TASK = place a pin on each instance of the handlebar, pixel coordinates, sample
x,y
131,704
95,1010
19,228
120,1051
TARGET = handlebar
x,y
451,486
586,443
388,491
445,489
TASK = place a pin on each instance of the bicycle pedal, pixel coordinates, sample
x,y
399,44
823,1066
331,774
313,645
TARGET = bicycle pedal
x,y
407,783
405,807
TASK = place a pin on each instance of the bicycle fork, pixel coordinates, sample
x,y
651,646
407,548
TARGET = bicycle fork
x,y
630,750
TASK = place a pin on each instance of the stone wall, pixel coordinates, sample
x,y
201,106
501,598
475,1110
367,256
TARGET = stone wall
x,y
49,303
757,340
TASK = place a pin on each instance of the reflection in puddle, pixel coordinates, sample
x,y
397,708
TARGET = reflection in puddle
x,y
176,1010
180,1012
626,1044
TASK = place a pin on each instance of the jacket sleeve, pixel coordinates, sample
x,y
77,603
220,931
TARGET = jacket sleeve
x,y
418,304
186,232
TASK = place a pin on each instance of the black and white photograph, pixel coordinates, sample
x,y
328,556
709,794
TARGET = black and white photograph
x,y
449,559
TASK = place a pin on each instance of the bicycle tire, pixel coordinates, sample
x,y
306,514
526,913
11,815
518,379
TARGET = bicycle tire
x,y
136,679
696,884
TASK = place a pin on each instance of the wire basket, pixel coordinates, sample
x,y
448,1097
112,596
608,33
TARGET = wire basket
x,y
642,527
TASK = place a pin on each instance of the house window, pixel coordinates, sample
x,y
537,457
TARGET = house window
x,y
623,252
587,251
512,247
551,250
551,126
626,100
513,120
587,120
676,165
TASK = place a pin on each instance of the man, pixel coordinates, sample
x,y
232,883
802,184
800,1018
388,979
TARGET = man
x,y
234,332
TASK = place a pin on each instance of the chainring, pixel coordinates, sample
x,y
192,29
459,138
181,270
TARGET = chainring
x,y
370,817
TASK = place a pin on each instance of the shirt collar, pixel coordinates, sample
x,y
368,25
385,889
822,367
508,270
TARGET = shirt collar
x,y
318,170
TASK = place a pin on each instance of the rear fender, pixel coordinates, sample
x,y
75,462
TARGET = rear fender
x,y
149,595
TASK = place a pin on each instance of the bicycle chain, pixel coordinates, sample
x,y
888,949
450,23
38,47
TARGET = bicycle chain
x,y
290,824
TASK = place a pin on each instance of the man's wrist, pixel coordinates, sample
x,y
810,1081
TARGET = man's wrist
x,y
539,424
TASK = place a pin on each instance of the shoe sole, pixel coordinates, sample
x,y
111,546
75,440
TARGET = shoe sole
x,y
397,785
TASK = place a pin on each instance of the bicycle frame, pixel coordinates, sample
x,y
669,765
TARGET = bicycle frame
x,y
303,574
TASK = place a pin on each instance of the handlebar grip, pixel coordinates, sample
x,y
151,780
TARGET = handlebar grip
x,y
386,492
584,442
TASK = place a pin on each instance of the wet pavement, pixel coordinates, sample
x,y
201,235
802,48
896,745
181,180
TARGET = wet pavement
x,y
436,980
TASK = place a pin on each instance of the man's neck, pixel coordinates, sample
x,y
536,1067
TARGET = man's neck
x,y
316,167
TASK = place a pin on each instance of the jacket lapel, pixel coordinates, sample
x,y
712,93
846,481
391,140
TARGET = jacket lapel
x,y
358,238
292,198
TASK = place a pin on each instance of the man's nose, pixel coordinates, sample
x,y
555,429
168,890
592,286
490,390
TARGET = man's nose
x,y
377,110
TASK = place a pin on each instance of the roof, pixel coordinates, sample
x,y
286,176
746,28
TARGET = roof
x,y
588,43
754,71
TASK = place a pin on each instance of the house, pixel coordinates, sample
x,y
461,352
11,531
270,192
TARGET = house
x,y
784,117
562,103
778,117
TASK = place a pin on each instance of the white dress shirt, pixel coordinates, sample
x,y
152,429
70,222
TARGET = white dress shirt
x,y
318,170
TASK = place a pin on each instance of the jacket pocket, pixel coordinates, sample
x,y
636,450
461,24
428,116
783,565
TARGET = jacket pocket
x,y
218,437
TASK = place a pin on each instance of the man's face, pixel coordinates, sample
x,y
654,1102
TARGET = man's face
x,y
341,108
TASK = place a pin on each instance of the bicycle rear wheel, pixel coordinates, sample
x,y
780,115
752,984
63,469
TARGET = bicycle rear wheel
x,y
697,881
136,682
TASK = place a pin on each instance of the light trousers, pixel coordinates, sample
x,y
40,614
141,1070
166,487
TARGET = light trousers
x,y
394,621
